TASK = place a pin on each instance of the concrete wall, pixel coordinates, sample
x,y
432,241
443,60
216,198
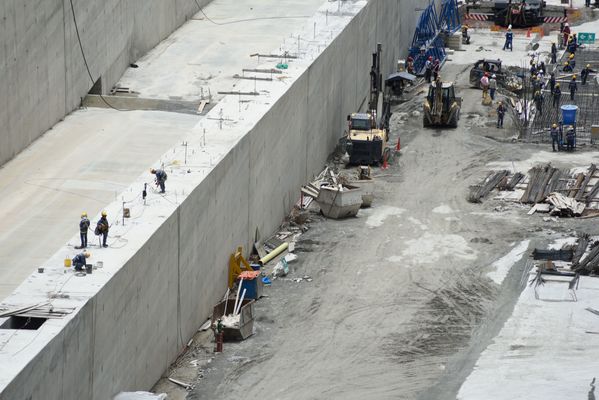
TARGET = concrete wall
x,y
125,337
42,73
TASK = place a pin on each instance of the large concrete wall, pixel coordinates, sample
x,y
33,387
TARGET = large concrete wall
x,y
42,73
125,336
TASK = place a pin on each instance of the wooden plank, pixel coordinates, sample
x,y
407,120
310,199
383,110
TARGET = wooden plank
x,y
576,188
586,181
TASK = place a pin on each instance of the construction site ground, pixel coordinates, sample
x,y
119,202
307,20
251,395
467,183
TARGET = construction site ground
x,y
402,299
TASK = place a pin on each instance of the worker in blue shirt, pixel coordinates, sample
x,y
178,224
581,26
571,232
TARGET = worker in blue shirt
x,y
567,67
80,260
586,72
160,178
554,137
102,228
83,228
573,86
570,140
557,94
509,37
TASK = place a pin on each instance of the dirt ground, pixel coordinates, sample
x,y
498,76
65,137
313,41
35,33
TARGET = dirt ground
x,y
399,305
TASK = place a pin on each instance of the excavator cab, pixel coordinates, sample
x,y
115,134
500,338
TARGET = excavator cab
x,y
441,107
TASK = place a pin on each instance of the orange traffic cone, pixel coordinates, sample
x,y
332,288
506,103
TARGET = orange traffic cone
x,y
385,165
398,146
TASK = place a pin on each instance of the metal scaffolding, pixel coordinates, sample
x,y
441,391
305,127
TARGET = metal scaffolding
x,y
586,98
428,40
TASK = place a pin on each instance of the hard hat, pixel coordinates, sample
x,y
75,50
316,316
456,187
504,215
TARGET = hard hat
x,y
554,125
509,27
566,24
588,65
573,76
494,76
87,254
571,56
557,84
486,74
104,213
501,102
430,57
83,214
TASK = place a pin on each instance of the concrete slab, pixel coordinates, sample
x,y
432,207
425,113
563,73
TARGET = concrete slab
x,y
80,165
204,54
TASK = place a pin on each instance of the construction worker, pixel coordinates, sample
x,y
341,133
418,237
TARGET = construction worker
x,y
570,139
543,68
484,84
509,37
410,65
83,228
160,178
428,69
493,86
465,35
573,86
80,260
557,94
567,67
436,69
587,3
585,73
500,114
538,99
566,32
102,228
572,46
553,53
552,82
555,137
571,60
533,69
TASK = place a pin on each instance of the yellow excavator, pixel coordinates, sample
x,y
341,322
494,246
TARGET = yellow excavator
x,y
441,106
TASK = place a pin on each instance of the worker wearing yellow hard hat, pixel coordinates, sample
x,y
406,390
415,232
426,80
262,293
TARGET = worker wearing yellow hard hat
x,y
83,228
102,228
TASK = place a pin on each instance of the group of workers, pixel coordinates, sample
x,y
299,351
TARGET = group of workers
x,y
103,226
431,69
556,138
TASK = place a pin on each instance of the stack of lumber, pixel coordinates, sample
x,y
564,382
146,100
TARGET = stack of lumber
x,y
510,183
565,206
543,181
478,192
589,264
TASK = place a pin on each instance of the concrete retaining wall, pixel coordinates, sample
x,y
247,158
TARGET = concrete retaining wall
x,y
42,73
125,336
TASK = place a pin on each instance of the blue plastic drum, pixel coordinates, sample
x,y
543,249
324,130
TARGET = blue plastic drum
x,y
569,114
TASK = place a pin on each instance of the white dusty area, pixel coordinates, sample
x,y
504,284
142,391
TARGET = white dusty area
x,y
378,215
548,349
504,264
79,165
201,57
578,159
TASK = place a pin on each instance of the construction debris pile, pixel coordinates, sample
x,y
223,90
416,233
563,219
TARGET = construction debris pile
x,y
495,179
341,195
559,192
580,258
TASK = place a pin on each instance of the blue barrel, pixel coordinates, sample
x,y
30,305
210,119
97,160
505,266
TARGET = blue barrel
x,y
569,114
